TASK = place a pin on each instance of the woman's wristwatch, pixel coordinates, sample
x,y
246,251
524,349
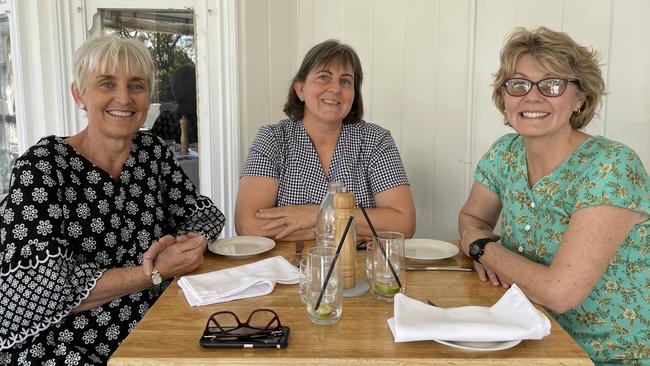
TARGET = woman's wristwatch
x,y
477,248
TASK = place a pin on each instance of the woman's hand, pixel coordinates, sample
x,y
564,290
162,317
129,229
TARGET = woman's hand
x,y
485,274
153,251
288,218
185,255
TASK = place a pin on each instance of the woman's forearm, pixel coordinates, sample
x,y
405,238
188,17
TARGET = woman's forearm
x,y
113,284
384,219
468,223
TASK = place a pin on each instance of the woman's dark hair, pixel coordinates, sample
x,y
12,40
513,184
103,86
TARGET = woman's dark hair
x,y
324,54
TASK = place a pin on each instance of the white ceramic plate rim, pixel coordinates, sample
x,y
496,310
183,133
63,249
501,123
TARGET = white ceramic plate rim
x,y
255,245
481,346
447,249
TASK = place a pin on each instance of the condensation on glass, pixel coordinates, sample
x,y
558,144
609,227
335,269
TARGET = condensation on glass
x,y
8,133
169,35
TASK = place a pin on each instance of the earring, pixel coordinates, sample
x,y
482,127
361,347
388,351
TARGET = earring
x,y
82,106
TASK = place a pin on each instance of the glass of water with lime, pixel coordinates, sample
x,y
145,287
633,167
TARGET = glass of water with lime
x,y
384,282
330,309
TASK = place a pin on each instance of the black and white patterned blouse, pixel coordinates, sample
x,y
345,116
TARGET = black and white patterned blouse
x,y
63,224
366,160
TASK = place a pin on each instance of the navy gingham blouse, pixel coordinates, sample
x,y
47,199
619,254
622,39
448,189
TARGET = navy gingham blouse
x,y
366,160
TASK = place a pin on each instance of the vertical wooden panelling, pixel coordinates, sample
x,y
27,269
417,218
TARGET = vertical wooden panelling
x,y
281,57
306,27
450,121
533,13
420,104
330,19
628,106
254,72
388,65
358,20
494,20
590,29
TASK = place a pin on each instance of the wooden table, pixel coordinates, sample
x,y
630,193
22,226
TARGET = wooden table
x,y
169,333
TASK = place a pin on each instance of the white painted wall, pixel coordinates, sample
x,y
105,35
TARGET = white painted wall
x,y
428,66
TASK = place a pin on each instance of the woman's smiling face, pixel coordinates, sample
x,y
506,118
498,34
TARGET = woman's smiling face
x,y
117,102
328,93
534,115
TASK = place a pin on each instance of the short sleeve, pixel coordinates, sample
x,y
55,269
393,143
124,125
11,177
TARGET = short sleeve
x,y
616,177
386,169
264,157
490,169
40,278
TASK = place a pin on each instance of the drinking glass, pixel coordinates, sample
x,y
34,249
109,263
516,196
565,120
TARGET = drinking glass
x,y
319,260
303,280
384,284
369,247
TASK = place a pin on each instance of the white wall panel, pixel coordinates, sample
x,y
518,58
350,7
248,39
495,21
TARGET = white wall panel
x,y
359,34
386,106
420,102
428,66
450,121
628,105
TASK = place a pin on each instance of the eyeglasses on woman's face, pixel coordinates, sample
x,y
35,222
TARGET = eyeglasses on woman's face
x,y
551,87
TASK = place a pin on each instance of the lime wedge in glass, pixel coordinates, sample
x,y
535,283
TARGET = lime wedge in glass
x,y
386,289
324,311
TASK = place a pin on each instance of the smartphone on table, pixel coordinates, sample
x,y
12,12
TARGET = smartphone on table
x,y
274,339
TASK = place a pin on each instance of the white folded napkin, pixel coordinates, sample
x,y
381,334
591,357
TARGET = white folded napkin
x,y
250,280
513,317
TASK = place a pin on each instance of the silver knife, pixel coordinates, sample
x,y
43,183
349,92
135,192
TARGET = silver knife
x,y
296,257
438,268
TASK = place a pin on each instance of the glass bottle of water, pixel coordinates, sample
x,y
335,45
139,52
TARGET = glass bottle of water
x,y
325,221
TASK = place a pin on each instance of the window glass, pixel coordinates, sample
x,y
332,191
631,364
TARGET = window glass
x,y
169,35
8,134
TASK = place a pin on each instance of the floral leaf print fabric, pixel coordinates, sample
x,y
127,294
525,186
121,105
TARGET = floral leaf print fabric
x,y
613,322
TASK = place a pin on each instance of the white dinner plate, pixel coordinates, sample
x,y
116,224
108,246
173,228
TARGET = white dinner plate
x,y
429,249
241,246
480,346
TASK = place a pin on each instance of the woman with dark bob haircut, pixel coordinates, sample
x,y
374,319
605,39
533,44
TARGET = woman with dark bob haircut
x,y
96,224
575,208
290,163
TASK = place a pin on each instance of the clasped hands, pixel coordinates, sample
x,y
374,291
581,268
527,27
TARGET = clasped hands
x,y
174,256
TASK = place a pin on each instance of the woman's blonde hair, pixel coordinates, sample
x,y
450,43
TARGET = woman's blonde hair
x,y
107,53
557,53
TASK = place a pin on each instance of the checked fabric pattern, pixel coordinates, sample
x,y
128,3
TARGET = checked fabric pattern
x,y
64,223
366,160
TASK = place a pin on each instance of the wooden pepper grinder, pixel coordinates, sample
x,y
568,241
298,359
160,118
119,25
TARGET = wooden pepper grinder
x,y
185,134
343,205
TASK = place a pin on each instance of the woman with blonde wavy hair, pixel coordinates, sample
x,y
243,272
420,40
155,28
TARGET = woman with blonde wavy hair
x,y
575,208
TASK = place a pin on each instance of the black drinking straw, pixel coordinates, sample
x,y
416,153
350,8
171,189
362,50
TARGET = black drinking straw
x,y
374,233
329,273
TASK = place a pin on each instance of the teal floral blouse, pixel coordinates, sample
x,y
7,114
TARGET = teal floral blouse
x,y
613,322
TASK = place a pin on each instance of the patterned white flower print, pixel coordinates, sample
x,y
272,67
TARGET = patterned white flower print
x,y
26,178
39,195
44,228
83,211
